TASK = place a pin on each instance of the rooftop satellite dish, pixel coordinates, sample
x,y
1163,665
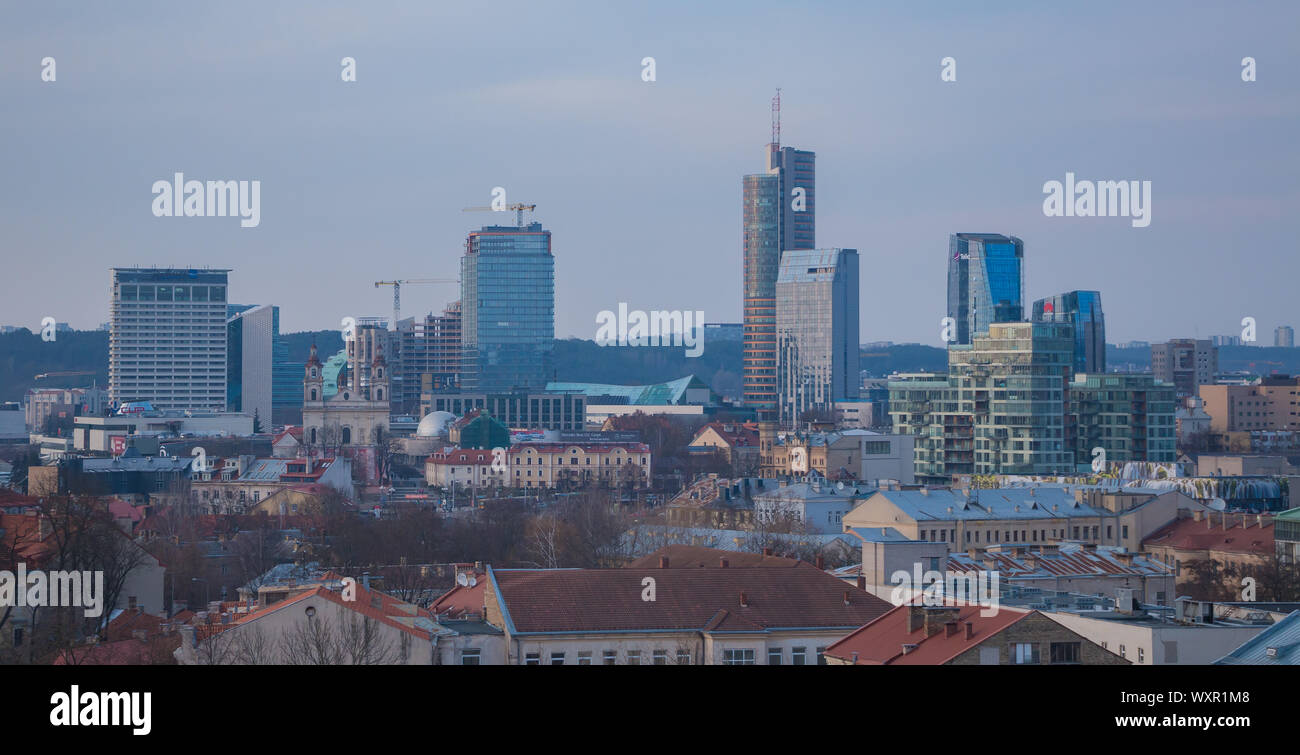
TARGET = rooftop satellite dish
x,y
473,580
462,580
839,485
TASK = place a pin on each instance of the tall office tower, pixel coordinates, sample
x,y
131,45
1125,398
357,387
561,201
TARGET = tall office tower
x,y
816,332
252,333
1082,309
779,214
986,282
507,308
167,337
431,346
1186,363
1284,336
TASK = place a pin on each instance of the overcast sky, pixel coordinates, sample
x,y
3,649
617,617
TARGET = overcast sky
x,y
639,182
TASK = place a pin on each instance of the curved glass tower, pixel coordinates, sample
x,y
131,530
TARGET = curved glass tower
x,y
986,282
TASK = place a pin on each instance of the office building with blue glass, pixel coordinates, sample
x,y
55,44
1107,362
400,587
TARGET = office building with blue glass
x,y
507,308
986,282
1082,309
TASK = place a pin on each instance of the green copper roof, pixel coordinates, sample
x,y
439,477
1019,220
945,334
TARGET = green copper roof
x,y
672,392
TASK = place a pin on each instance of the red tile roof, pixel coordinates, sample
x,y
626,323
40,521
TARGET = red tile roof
x,y
740,435
732,599
1189,534
698,556
462,456
881,641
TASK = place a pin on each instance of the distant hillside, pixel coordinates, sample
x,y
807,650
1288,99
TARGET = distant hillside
x,y
904,357
328,343
23,355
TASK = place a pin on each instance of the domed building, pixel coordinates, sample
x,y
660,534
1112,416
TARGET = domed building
x,y
434,425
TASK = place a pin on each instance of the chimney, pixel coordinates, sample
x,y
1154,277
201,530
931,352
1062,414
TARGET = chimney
x,y
1196,515
722,562
949,628
1259,520
663,562
767,551
862,582
846,597
935,618
970,630
855,657
821,562
744,600
915,618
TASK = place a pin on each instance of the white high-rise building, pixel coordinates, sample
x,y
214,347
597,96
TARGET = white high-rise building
x,y
167,337
251,334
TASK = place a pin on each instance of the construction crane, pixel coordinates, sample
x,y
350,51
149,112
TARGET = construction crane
x,y
65,373
397,291
518,207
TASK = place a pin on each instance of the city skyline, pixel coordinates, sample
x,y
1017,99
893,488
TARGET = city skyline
x,y
347,167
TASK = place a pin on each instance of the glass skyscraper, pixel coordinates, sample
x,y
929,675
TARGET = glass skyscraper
x,y
1082,309
986,282
507,308
779,214
816,331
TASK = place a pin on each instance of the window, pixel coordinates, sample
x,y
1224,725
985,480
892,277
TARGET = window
x,y
1065,652
660,658
683,657
609,657
738,657
634,657
799,656
1123,651
532,659
584,657
821,656
18,636
471,657
774,656
1142,655
557,659
989,655
1024,653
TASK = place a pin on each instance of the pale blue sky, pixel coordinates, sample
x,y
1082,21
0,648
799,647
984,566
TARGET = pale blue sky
x,y
640,183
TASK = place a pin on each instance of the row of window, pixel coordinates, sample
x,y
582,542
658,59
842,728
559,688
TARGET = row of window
x,y
661,657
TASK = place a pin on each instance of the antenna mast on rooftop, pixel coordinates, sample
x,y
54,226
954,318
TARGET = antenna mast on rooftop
x,y
776,118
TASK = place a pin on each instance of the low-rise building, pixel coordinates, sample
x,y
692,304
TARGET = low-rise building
x,y
966,635
472,468
551,465
1187,634
724,616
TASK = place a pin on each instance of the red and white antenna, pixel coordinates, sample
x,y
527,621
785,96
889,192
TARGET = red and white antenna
x,y
776,118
